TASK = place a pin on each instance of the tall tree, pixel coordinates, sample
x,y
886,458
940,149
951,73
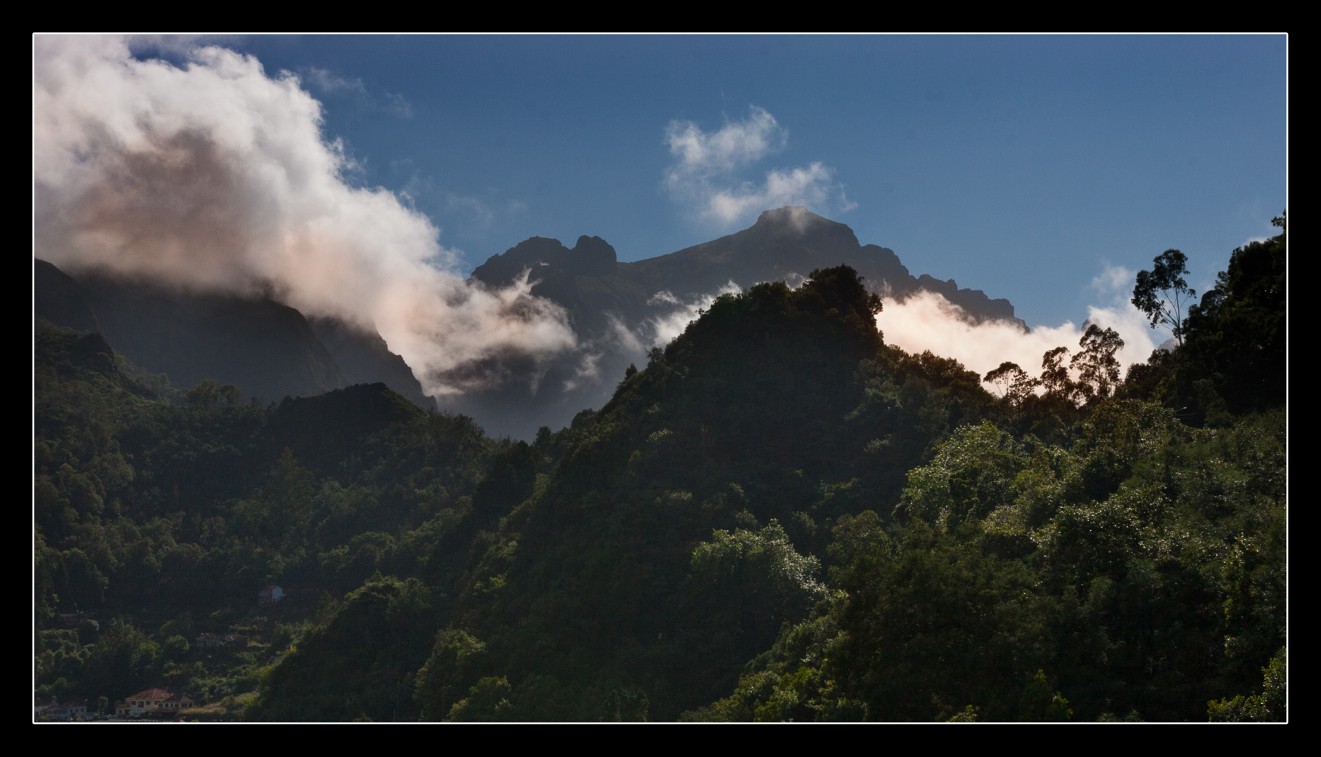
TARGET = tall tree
x,y
1097,366
1054,376
1237,337
1163,294
1014,383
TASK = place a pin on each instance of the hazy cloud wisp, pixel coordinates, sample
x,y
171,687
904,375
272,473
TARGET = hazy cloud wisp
x,y
660,330
705,172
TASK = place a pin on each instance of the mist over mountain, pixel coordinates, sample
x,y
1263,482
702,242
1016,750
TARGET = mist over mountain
x,y
617,311
621,310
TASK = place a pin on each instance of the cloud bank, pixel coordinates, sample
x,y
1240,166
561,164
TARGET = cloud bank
x,y
215,176
927,321
705,172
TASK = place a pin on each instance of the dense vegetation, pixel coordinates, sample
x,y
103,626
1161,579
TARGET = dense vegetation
x,y
779,517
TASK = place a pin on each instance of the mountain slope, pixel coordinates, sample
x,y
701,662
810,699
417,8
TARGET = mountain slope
x,y
266,349
678,533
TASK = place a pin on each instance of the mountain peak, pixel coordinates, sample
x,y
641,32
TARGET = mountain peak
x,y
797,216
590,256
794,221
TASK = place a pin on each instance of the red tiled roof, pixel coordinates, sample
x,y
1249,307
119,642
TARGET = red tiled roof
x,y
152,695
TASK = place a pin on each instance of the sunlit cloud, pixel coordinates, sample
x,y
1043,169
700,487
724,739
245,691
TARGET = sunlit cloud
x,y
214,176
734,145
927,321
175,45
813,186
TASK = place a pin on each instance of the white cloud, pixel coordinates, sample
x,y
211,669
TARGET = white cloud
x,y
927,321
214,176
664,297
736,144
705,172
1114,281
1114,285
617,340
794,279
662,329
813,186
175,45
620,334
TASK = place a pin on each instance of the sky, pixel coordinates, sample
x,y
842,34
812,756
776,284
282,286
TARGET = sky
x,y
1046,170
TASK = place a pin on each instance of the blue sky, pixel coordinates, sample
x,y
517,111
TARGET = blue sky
x,y
1020,165
364,177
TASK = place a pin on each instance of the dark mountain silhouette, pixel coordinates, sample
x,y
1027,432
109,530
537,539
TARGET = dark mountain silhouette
x,y
784,244
365,358
60,299
266,349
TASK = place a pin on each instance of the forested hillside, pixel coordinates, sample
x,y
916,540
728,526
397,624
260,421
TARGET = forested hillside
x,y
778,517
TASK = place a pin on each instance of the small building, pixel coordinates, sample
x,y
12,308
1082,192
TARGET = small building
x,y
152,703
269,595
57,711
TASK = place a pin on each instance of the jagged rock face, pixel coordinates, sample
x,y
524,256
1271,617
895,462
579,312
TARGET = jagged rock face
x,y
548,258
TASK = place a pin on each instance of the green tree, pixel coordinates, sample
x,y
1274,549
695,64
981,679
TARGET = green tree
x,y
1054,376
1163,294
745,584
1237,336
1097,366
1041,702
971,473
488,701
1270,705
1014,383
452,665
